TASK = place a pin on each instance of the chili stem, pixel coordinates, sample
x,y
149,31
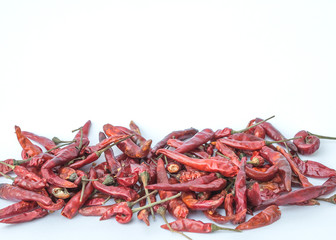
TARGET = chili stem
x,y
162,211
6,176
280,141
215,227
57,141
144,179
131,204
252,126
156,203
322,137
8,165
222,155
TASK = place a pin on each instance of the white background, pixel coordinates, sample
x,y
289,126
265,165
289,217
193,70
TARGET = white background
x,y
168,65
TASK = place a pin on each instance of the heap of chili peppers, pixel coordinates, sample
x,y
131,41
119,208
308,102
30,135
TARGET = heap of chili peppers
x,y
228,175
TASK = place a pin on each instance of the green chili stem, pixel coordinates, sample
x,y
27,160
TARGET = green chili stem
x,y
8,165
280,141
322,137
162,211
144,176
131,204
252,126
57,141
6,176
156,203
222,155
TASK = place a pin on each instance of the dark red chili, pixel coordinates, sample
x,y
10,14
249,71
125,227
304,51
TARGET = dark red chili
x,y
14,193
281,162
224,167
240,193
264,218
268,175
307,144
189,198
17,208
26,217
195,141
125,193
191,225
274,134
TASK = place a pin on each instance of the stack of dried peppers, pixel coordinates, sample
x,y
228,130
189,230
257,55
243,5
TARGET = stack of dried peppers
x,y
237,171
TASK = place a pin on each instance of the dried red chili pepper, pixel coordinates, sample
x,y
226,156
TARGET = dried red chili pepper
x,y
264,218
112,163
26,217
78,200
253,195
14,193
29,148
228,152
215,216
189,198
183,186
314,169
128,146
58,192
250,145
25,183
17,208
176,143
24,172
5,168
195,141
226,168
191,225
301,195
304,181
125,193
176,207
281,162
240,193
274,134
268,175
229,204
45,142
68,173
307,144
93,210
181,135
186,176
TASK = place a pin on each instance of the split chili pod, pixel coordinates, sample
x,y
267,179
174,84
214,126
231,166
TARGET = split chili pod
x,y
307,144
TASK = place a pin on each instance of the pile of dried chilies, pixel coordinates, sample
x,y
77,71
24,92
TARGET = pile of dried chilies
x,y
237,171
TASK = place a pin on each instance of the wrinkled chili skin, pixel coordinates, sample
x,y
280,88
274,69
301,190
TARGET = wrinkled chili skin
x,y
93,210
125,193
195,141
5,169
45,142
13,193
240,193
264,218
220,133
215,185
26,217
17,208
228,152
189,225
281,162
112,163
189,198
54,179
182,186
253,195
243,144
274,134
28,147
301,195
213,215
181,134
304,181
121,210
229,204
197,152
224,167
74,204
262,176
29,185
317,170
176,207
244,137
307,144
